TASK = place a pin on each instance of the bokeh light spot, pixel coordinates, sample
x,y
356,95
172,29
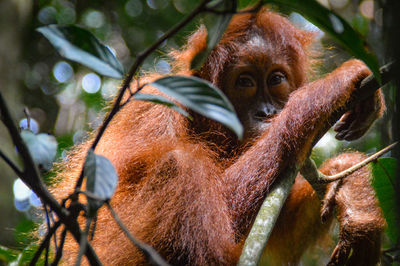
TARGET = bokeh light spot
x,y
67,16
367,9
22,205
133,8
47,15
157,4
94,19
163,67
34,200
62,71
91,83
21,191
185,6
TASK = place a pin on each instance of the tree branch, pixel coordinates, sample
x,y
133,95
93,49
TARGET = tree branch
x,y
266,219
11,164
310,172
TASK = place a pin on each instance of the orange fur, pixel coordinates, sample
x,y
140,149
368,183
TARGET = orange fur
x,y
191,189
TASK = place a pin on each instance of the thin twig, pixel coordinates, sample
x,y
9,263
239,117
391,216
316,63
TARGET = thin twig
x,y
349,171
28,117
47,215
151,255
45,242
136,65
60,248
133,94
319,181
140,59
31,177
11,164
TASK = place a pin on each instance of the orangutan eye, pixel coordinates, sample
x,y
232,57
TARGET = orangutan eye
x,y
245,81
275,79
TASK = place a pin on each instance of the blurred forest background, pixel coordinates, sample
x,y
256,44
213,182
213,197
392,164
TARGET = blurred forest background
x,y
66,99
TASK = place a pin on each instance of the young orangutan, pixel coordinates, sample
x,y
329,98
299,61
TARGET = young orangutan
x,y
191,190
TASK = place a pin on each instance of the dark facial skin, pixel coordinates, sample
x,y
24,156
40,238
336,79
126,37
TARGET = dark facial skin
x,y
258,85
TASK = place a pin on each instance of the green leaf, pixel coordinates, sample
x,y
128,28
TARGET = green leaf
x,y
7,254
216,31
384,174
336,26
202,97
101,180
43,148
81,46
160,100
247,3
360,24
